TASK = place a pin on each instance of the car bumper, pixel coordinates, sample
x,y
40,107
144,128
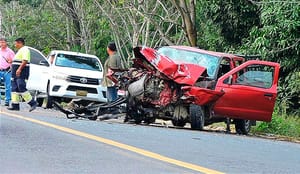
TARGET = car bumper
x,y
74,90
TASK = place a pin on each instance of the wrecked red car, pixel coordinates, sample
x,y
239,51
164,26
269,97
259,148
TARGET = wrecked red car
x,y
190,85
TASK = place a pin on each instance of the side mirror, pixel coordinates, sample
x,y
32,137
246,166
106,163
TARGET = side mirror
x,y
44,63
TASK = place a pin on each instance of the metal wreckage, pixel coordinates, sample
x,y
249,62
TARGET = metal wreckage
x,y
190,85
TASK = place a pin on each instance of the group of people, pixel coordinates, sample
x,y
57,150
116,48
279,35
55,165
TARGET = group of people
x,y
14,70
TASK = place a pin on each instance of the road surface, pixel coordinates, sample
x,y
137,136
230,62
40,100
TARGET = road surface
x,y
44,141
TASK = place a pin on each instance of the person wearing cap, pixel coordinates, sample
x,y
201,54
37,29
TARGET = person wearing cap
x,y
6,57
112,63
20,73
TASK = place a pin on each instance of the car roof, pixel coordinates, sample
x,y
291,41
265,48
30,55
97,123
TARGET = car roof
x,y
213,53
73,53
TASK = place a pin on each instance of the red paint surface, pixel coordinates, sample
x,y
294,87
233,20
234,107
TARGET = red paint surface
x,y
247,102
201,96
180,73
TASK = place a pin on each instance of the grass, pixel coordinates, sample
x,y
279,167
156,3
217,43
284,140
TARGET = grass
x,y
283,125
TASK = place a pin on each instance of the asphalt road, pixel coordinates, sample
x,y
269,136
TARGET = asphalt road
x,y
44,141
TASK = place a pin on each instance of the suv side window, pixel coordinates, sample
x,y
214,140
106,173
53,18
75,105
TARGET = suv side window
x,y
261,76
36,57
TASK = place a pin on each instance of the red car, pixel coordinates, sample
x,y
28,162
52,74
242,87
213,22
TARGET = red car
x,y
186,84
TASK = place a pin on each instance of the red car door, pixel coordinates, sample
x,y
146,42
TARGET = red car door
x,y
250,91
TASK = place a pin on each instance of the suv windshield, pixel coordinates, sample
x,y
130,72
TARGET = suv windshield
x,y
184,56
80,62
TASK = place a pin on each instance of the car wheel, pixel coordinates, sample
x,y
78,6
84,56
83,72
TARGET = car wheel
x,y
40,101
196,117
48,99
178,122
37,99
149,120
242,126
138,119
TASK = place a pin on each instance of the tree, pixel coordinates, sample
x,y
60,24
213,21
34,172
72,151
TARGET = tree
x,y
278,40
41,28
187,9
136,23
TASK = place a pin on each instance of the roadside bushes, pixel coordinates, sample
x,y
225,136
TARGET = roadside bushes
x,y
280,125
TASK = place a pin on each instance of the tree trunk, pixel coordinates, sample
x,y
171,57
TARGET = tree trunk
x,y
76,24
188,15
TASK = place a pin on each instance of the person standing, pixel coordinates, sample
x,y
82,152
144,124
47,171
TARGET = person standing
x,y
20,73
112,63
6,57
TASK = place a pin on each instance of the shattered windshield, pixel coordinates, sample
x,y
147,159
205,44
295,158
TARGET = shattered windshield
x,y
205,60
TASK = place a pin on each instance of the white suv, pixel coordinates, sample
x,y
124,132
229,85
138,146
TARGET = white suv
x,y
75,75
71,75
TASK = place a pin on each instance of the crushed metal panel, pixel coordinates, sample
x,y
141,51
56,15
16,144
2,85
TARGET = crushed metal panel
x,y
201,96
180,73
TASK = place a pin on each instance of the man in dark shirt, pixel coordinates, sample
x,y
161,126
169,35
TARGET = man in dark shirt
x,y
112,63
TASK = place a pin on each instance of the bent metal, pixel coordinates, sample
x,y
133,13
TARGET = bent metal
x,y
190,85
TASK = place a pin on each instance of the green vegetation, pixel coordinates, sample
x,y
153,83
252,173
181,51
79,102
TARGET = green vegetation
x,y
280,125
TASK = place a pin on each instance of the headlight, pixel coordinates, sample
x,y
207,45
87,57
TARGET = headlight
x,y
59,76
100,81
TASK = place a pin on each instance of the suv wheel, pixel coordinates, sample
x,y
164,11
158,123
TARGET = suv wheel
x,y
242,126
196,117
48,99
39,101
36,98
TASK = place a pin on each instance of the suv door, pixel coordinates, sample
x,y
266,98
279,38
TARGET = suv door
x,y
39,66
250,91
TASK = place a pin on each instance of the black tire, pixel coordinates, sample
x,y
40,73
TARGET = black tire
x,y
133,116
178,122
48,99
242,126
39,101
149,120
197,117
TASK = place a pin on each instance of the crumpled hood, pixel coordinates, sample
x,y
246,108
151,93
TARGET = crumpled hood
x,y
181,73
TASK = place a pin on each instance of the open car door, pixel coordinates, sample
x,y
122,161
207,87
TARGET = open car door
x,y
39,68
250,91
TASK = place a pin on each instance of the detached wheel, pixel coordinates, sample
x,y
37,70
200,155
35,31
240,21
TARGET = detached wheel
x,y
196,117
242,126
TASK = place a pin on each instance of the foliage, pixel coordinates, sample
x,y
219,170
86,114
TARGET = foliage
x,y
280,125
41,29
33,3
278,39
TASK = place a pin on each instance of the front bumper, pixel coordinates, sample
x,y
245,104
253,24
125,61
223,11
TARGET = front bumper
x,y
75,90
